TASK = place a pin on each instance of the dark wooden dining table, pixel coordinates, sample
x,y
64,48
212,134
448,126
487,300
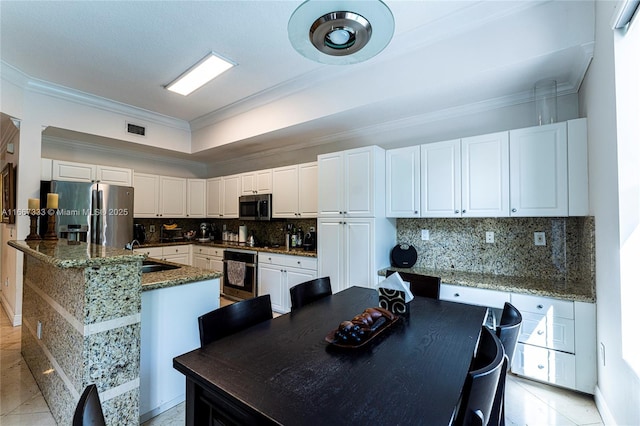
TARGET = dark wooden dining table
x,y
282,371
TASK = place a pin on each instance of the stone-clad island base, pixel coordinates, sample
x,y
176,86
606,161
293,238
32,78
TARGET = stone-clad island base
x,y
81,325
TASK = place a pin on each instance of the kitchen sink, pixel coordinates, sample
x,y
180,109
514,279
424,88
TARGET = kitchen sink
x,y
151,266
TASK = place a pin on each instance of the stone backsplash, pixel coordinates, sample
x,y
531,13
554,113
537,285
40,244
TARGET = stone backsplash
x,y
265,233
569,253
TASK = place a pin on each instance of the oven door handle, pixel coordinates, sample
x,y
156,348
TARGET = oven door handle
x,y
250,265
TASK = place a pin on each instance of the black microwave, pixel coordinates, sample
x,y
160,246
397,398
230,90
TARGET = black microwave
x,y
255,207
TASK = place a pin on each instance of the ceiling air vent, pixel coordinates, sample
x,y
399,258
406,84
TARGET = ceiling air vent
x,y
134,129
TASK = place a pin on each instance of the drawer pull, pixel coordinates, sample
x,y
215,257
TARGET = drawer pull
x,y
540,366
540,306
456,295
540,332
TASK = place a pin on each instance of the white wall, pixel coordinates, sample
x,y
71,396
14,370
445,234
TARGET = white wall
x,y
618,392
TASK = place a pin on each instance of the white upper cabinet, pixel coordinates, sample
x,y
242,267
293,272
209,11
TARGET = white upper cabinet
x,y
351,183
403,182
231,195
81,172
214,197
485,175
196,197
440,187
173,197
295,191
538,163
145,195
260,182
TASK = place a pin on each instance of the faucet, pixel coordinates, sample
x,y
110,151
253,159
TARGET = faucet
x,y
129,246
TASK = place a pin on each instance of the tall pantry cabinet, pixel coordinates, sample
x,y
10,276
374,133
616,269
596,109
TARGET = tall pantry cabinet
x,y
354,236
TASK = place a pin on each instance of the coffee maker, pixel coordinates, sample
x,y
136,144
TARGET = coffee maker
x,y
309,242
139,233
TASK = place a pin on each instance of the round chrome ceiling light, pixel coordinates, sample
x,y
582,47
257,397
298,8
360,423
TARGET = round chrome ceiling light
x,y
341,32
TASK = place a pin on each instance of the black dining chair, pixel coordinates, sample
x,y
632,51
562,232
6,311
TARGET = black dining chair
x,y
480,387
507,331
89,410
232,318
421,285
309,291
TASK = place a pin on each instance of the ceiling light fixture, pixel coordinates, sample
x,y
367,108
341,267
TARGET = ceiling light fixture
x,y
341,32
201,73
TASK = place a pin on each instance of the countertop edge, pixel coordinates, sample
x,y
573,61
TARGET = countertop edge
x,y
525,285
223,245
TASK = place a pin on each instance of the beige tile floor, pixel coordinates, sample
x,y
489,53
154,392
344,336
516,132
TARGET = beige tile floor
x,y
528,403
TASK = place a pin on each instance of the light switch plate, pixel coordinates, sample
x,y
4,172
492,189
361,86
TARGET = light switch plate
x,y
490,237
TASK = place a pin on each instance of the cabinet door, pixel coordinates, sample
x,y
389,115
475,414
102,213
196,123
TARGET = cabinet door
x,y
485,175
200,261
145,195
308,190
358,261
113,175
285,192
359,182
196,196
403,182
330,184
264,181
75,172
183,259
538,171
270,281
440,186
295,277
230,194
331,251
173,196
214,197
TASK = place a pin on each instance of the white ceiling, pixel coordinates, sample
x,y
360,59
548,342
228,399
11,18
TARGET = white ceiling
x,y
444,55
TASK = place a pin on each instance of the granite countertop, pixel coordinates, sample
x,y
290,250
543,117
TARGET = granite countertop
x,y
183,275
559,289
232,245
62,254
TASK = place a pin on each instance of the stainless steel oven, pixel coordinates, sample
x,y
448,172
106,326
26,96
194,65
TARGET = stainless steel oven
x,y
240,274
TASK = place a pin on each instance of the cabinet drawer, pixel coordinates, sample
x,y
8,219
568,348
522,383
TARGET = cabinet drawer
x,y
544,364
301,262
543,305
473,296
271,259
151,251
548,331
173,250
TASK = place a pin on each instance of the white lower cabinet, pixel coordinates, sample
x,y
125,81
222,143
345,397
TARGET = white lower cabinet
x,y
557,340
278,273
206,257
176,254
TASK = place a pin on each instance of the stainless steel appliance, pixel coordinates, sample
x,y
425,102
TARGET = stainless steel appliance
x,y
255,207
97,213
240,279
139,233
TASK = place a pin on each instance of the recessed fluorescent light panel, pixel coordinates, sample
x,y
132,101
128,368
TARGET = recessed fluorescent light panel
x,y
201,73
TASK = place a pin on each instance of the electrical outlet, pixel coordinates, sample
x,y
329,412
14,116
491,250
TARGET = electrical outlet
x,y
152,228
489,237
425,235
539,239
39,330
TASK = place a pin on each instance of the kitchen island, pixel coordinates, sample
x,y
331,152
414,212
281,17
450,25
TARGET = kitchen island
x,y
82,310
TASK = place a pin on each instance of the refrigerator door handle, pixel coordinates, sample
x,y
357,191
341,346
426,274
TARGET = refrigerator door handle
x,y
95,216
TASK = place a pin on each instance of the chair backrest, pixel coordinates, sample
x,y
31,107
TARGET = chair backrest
x,y
89,410
309,291
509,329
421,285
481,385
232,318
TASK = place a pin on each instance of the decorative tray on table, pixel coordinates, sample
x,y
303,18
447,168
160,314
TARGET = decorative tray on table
x,y
362,329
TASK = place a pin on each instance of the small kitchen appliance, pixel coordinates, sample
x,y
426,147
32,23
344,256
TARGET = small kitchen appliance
x,y
404,256
309,243
139,233
255,207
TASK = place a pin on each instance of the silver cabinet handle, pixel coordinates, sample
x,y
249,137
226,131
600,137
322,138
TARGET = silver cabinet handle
x,y
514,210
540,306
415,212
540,332
456,295
457,211
541,367
464,211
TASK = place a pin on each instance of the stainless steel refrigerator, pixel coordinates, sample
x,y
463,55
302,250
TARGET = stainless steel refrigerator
x,y
93,212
